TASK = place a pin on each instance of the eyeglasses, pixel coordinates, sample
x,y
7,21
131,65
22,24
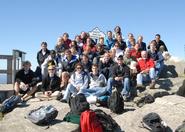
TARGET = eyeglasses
x,y
51,69
79,68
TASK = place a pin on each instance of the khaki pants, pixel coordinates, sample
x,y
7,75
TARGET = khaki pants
x,y
54,95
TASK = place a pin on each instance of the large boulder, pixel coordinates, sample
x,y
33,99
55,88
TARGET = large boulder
x,y
174,67
170,108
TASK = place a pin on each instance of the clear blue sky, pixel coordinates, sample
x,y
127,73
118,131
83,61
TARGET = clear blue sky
x,y
24,24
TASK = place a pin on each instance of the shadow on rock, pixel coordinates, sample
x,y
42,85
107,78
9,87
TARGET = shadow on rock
x,y
165,84
169,71
181,91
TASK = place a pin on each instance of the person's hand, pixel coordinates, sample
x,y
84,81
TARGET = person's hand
x,y
145,71
116,78
78,88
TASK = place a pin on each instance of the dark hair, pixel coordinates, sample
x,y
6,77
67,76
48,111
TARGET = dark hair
x,y
79,64
26,63
109,31
66,34
158,35
44,43
118,28
94,65
52,52
120,57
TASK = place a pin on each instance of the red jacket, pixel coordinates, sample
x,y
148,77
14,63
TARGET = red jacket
x,y
135,54
145,64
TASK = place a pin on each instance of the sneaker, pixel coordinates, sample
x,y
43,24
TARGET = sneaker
x,y
63,100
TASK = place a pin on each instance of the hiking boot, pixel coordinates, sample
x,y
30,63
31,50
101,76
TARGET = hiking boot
x,y
152,85
125,98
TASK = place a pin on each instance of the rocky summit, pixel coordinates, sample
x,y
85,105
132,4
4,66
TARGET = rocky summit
x,y
169,103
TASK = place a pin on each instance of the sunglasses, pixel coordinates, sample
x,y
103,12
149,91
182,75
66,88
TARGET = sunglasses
x,y
51,69
79,68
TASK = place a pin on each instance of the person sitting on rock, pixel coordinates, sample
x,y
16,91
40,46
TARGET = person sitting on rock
x,y
120,78
25,81
97,85
64,78
51,57
50,84
105,64
78,80
146,70
157,57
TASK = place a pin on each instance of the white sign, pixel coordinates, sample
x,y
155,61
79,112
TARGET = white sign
x,y
96,34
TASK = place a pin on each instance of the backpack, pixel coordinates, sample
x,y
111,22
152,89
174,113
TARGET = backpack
x,y
89,122
145,99
42,115
153,122
78,104
115,102
108,124
10,103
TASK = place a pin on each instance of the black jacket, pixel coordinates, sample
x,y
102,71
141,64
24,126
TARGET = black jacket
x,y
41,57
124,71
29,78
51,84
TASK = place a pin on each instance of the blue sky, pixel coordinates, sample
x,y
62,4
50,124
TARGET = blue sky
x,y
24,24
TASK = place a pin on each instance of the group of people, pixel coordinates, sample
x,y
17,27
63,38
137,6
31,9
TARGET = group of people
x,y
93,68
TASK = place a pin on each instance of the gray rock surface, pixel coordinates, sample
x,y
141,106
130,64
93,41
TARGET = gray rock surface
x,y
15,121
170,108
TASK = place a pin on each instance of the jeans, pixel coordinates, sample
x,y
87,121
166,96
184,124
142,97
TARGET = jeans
x,y
125,89
70,89
146,77
95,91
159,67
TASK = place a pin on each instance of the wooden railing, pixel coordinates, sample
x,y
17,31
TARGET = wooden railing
x,y
12,64
9,70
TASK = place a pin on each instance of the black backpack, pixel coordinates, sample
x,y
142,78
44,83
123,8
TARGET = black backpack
x,y
78,104
115,102
108,124
43,115
153,122
10,103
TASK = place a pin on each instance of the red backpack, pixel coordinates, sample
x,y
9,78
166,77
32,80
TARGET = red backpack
x,y
89,122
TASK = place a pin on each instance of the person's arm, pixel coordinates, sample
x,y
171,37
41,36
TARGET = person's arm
x,y
160,57
44,85
86,82
127,72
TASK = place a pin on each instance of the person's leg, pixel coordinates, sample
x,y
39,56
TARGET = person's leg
x,y
152,73
139,79
17,88
55,95
126,87
39,95
99,91
109,85
152,77
160,68
86,92
30,92
70,89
